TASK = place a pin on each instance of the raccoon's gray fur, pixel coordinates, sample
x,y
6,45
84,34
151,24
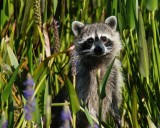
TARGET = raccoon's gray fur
x,y
97,45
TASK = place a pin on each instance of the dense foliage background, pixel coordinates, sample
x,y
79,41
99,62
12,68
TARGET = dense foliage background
x,y
34,58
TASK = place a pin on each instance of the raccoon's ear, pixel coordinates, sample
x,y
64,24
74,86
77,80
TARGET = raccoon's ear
x,y
112,22
76,27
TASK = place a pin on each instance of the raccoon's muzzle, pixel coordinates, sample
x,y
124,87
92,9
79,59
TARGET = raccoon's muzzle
x,y
98,50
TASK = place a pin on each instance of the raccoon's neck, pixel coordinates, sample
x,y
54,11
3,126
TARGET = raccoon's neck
x,y
86,79
91,63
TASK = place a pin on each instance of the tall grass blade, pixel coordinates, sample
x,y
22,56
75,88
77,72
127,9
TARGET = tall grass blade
x,y
151,124
29,4
74,102
130,14
8,87
30,56
104,81
55,3
88,116
134,108
143,50
73,97
10,112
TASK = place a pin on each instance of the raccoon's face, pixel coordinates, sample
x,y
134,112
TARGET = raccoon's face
x,y
97,39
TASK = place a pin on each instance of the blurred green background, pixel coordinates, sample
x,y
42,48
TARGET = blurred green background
x,y
35,36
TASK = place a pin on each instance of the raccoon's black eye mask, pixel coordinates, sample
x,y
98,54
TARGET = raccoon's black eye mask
x,y
108,43
90,40
87,44
103,38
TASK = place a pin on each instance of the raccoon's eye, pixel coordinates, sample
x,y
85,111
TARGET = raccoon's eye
x,y
90,40
103,38
108,43
87,44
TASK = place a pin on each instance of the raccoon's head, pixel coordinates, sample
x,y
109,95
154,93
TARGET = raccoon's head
x,y
97,40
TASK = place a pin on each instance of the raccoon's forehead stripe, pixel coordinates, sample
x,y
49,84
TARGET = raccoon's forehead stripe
x,y
102,34
84,38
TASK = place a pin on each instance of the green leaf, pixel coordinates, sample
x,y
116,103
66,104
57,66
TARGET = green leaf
x,y
134,108
26,16
88,116
40,101
55,3
30,56
104,81
151,124
154,61
114,7
10,112
74,102
47,100
12,57
3,14
105,125
143,50
38,111
73,97
121,22
130,14
8,87
152,5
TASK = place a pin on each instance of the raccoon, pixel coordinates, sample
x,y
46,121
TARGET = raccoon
x,y
97,45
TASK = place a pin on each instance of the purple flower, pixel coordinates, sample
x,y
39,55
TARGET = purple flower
x,y
28,116
28,93
29,82
5,124
65,115
94,126
29,108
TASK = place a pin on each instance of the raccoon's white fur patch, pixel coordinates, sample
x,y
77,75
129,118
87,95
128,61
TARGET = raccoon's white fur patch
x,y
90,51
105,35
84,38
76,26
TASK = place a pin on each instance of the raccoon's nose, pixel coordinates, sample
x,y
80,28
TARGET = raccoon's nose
x,y
98,50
